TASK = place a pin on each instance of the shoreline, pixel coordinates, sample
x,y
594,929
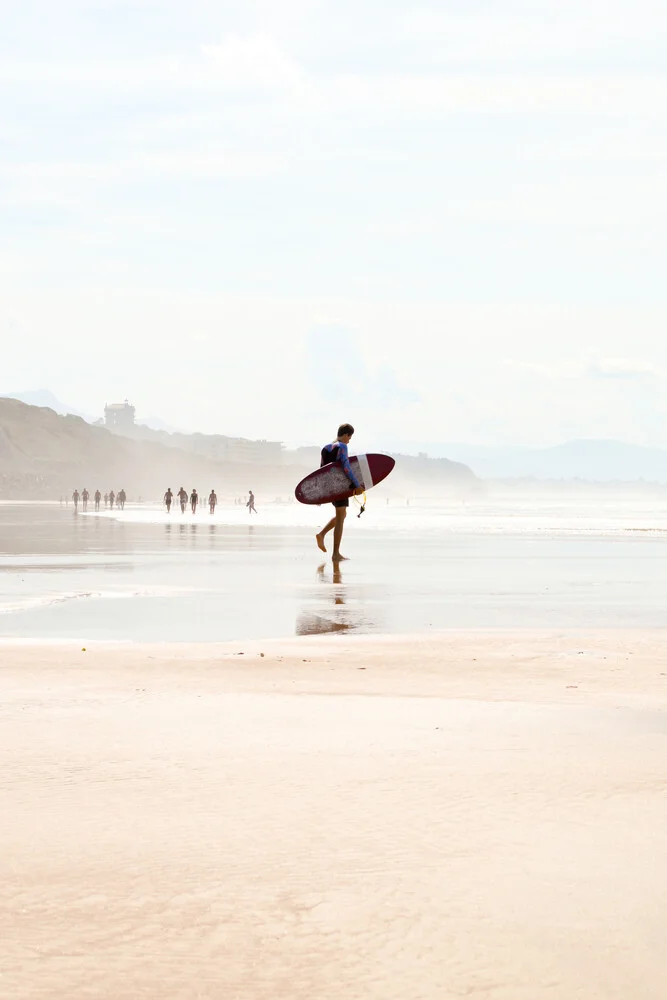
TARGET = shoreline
x,y
348,818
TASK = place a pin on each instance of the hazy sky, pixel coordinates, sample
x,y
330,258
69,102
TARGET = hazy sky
x,y
441,221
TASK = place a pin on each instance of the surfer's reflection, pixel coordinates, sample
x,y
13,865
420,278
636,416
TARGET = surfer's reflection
x,y
311,623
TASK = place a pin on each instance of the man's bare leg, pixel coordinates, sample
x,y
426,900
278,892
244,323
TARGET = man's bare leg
x,y
319,537
339,523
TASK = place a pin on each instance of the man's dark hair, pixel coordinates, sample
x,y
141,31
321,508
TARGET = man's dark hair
x,y
345,429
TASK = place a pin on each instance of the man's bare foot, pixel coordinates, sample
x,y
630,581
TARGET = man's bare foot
x,y
319,538
337,557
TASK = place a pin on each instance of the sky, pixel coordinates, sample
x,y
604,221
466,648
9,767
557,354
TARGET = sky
x,y
439,221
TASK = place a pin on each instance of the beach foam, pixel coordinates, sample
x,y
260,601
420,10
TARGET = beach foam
x,y
542,517
35,601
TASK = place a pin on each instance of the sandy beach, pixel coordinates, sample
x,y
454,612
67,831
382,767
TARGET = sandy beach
x,y
459,816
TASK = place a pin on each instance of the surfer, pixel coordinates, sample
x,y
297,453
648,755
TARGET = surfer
x,y
251,502
337,452
168,497
212,501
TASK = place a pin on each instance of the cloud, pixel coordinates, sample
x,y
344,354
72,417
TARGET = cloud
x,y
486,93
568,368
53,76
552,370
257,63
70,186
340,373
250,62
624,368
523,34
254,61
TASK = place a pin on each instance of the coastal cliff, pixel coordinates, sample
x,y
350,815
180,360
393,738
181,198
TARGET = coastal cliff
x,y
45,455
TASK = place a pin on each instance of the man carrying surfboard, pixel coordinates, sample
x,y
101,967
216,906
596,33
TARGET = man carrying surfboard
x,y
337,452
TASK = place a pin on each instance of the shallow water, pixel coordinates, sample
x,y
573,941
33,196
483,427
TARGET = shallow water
x,y
140,575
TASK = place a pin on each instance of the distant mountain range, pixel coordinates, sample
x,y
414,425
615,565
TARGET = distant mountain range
x,y
43,397
601,461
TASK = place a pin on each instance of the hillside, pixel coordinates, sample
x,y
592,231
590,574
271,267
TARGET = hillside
x,y
45,455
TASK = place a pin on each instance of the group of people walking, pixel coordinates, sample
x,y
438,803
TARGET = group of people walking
x,y
110,499
119,499
182,497
193,499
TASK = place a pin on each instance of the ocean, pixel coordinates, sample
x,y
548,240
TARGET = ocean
x,y
560,561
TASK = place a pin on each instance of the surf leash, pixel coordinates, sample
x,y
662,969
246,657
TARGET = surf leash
x,y
361,504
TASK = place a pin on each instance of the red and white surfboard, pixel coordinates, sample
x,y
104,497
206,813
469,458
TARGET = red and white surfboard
x,y
330,482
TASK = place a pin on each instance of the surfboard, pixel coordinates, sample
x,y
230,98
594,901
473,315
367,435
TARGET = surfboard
x,y
330,482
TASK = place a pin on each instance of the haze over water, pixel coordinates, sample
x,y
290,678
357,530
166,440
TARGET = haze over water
x,y
558,562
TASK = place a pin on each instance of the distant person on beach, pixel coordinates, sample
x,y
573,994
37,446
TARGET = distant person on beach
x,y
183,497
168,497
98,497
337,452
212,501
112,497
84,496
122,497
106,500
194,500
75,498
251,502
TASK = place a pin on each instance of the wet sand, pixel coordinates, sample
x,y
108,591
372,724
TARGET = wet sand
x,y
362,818
411,571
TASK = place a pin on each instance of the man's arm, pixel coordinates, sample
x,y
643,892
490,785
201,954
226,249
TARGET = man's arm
x,y
347,468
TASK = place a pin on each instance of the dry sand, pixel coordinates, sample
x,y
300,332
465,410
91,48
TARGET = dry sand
x,y
401,819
